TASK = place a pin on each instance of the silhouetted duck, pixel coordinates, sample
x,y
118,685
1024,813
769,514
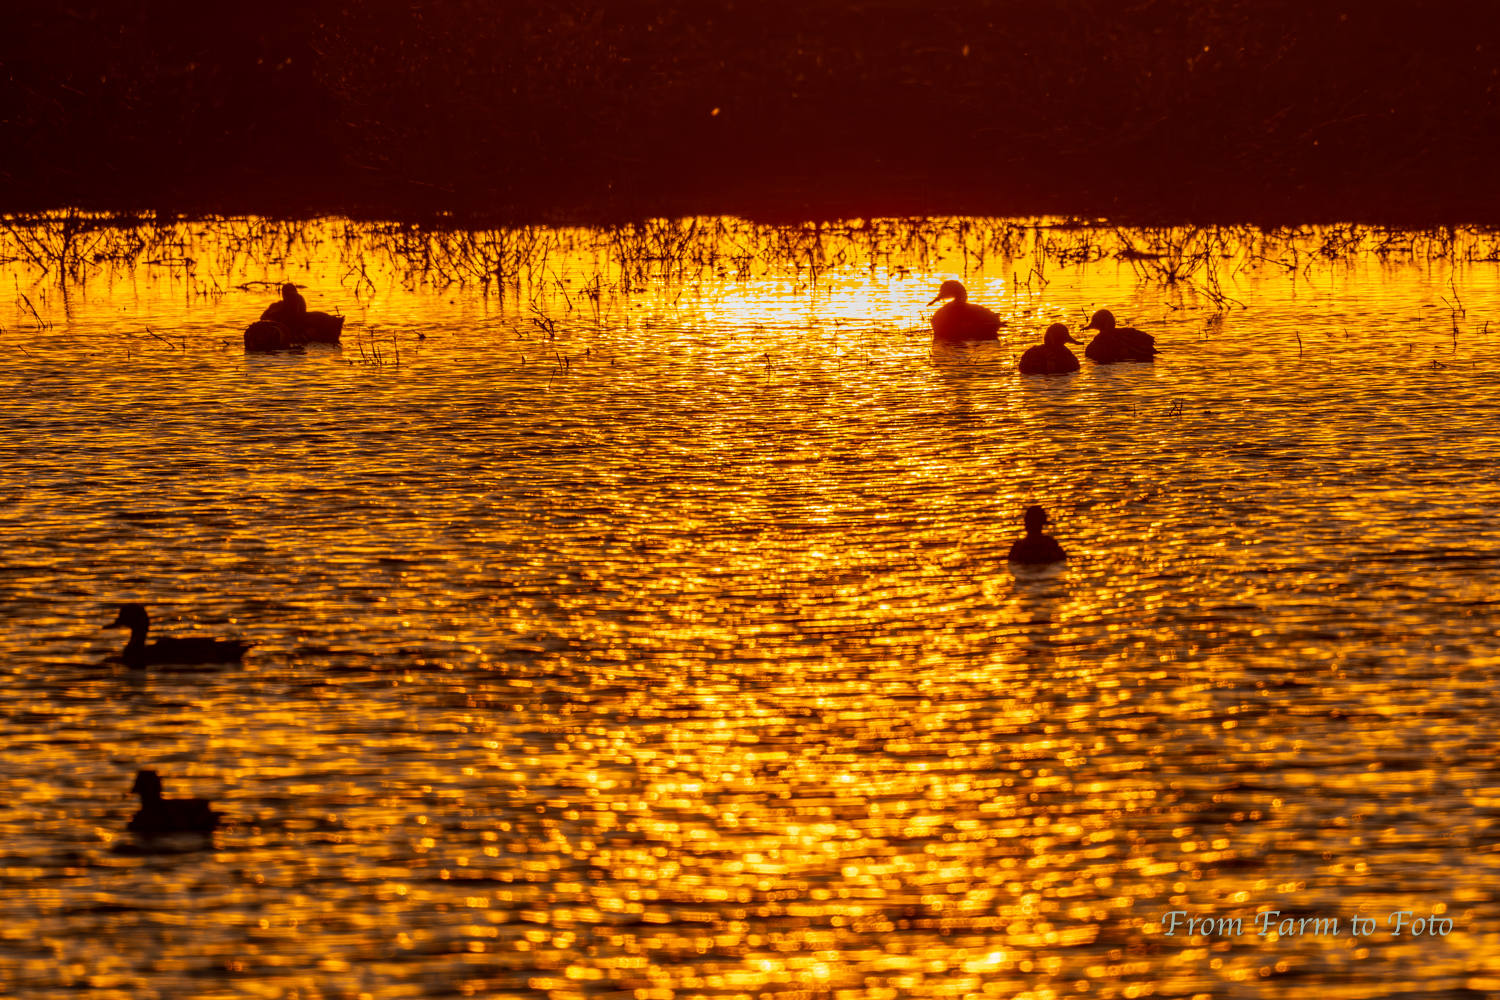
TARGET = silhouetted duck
x,y
962,319
1036,549
1117,343
160,817
290,312
267,335
1053,356
322,328
138,653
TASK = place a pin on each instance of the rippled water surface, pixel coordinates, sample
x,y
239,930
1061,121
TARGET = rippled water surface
x,y
633,616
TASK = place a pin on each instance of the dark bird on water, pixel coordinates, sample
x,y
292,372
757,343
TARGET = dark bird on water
x,y
323,328
288,323
139,653
160,817
1036,549
961,319
268,335
1117,343
1052,356
290,312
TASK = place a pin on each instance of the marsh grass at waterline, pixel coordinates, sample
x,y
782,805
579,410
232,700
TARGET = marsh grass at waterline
x,y
70,248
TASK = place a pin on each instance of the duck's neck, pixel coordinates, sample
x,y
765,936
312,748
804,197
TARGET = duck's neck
x,y
150,799
137,638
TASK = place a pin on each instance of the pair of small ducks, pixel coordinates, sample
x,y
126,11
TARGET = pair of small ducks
x,y
288,323
961,320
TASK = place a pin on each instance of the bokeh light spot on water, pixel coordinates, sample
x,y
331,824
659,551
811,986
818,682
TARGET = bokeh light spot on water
x,y
683,658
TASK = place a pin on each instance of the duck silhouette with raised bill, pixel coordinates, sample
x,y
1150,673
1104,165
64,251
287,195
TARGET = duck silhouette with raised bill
x,y
1117,343
1052,356
161,817
139,653
960,319
1036,549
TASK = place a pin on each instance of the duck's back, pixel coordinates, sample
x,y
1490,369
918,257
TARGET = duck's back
x,y
267,335
965,321
291,315
1036,551
323,328
193,651
1044,360
1123,343
280,311
174,816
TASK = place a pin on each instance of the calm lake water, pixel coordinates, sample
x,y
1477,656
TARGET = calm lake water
x,y
638,623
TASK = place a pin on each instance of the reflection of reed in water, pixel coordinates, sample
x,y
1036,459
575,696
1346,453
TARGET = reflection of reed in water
x,y
524,262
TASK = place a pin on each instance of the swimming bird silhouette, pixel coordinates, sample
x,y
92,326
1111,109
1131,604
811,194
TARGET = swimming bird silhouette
x,y
322,328
138,653
1052,356
961,319
1117,343
1036,549
268,335
290,312
159,817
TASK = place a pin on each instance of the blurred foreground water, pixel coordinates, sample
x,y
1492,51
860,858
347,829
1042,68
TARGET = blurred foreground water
x,y
634,620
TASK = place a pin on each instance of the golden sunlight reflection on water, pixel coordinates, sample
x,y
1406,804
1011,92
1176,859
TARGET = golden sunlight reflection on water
x,y
638,622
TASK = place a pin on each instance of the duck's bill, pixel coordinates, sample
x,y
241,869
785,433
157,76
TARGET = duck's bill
x,y
936,300
1073,340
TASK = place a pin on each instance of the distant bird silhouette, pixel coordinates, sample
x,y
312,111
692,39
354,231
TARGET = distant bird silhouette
x,y
1052,357
160,817
1036,549
138,653
1117,343
961,319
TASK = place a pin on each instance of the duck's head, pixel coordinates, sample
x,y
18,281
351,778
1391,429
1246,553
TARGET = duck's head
x,y
289,292
1036,518
132,616
1056,336
951,290
1103,321
147,785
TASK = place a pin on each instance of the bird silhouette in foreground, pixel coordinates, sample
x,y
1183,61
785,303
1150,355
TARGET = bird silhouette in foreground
x,y
323,328
138,653
961,319
1036,549
267,335
159,817
288,323
290,312
1052,356
1117,343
